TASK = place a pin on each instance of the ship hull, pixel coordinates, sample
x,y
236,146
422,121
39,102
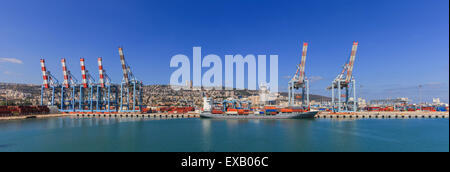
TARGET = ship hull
x,y
302,115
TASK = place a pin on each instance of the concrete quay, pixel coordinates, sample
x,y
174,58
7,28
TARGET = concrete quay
x,y
137,115
20,117
383,115
321,115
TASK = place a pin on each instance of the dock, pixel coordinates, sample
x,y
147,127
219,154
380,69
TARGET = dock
x,y
137,115
383,115
321,115
20,117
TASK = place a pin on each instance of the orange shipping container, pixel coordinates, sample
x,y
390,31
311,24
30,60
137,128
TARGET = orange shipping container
x,y
286,110
270,107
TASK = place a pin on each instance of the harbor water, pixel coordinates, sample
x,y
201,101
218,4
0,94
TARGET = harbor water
x,y
213,135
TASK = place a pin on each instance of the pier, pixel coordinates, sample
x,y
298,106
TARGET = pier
x,y
137,115
383,115
20,117
321,115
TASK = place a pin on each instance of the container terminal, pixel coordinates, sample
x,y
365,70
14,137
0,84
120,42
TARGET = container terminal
x,y
102,98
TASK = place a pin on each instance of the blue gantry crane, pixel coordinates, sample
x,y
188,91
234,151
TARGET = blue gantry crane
x,y
130,88
68,90
49,87
90,96
87,88
107,93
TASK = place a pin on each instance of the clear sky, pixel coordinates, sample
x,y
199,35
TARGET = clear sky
x,y
403,43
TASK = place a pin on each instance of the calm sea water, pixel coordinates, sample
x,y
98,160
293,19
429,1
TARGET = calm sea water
x,y
198,135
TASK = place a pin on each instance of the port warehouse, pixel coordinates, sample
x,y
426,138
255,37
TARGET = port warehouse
x,y
102,96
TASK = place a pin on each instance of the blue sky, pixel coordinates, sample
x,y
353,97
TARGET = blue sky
x,y
403,43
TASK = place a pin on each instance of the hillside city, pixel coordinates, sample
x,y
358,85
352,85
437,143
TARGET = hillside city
x,y
153,95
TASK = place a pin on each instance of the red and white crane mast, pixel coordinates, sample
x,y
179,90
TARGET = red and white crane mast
x,y
299,81
351,63
69,79
345,80
131,88
50,82
104,79
87,79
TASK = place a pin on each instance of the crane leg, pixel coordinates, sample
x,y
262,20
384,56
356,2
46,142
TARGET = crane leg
x,y
303,96
346,98
332,97
62,97
42,96
289,94
307,94
339,96
354,96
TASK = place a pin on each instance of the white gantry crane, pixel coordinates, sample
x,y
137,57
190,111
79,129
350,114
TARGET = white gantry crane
x,y
299,81
345,81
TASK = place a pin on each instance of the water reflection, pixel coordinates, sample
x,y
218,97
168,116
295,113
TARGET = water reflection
x,y
67,122
206,127
300,135
138,134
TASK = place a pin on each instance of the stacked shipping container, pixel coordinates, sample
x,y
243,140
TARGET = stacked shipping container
x,y
23,110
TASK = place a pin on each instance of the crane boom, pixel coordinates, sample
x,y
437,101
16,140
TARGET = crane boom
x,y
100,72
86,77
65,73
302,63
296,73
342,74
351,62
44,73
83,73
124,66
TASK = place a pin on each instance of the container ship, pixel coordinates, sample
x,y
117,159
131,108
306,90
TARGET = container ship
x,y
245,111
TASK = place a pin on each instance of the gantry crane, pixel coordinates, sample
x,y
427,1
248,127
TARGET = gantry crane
x,y
87,87
345,81
49,86
68,89
130,88
106,92
226,104
299,81
89,96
